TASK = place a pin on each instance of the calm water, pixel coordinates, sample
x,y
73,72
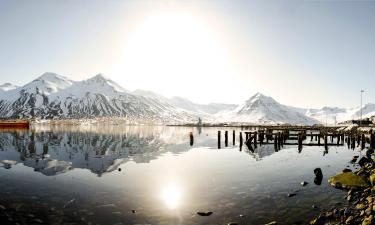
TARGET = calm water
x,y
151,175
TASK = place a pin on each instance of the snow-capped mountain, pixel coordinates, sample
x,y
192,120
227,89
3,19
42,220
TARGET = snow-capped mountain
x,y
188,105
261,109
54,96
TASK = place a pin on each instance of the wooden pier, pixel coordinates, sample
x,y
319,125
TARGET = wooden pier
x,y
280,136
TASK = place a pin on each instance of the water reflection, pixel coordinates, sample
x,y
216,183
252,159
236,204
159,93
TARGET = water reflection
x,y
57,151
172,194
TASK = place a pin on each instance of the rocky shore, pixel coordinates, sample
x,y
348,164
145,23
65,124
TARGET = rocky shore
x,y
360,189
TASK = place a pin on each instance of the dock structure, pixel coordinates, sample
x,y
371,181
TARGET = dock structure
x,y
18,124
280,136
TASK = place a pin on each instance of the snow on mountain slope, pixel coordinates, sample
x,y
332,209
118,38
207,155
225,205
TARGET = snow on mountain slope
x,y
54,96
7,87
261,109
186,104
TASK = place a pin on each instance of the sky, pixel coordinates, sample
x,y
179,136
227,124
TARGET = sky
x,y
302,53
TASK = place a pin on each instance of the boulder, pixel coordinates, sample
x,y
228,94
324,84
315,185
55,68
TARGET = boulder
x,y
347,180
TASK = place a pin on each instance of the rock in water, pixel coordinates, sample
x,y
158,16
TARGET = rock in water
x,y
291,195
304,183
347,180
318,176
204,213
362,162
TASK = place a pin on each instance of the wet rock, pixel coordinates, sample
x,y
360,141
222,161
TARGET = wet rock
x,y
232,223
368,220
271,223
134,211
346,170
369,152
314,206
347,180
362,162
360,206
304,183
349,220
291,195
318,176
368,211
119,169
205,213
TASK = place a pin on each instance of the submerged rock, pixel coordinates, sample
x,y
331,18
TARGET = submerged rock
x,y
347,180
204,213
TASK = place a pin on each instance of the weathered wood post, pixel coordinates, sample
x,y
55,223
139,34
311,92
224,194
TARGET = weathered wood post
x,y
338,139
279,142
311,136
353,142
363,141
325,141
246,136
331,138
241,140
234,137
275,143
372,141
255,139
348,141
219,139
226,138
318,139
191,138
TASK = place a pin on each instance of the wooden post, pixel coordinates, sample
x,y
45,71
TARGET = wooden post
x,y
255,139
219,139
325,141
311,136
279,142
318,139
226,138
275,143
338,139
241,140
372,141
234,137
363,141
191,138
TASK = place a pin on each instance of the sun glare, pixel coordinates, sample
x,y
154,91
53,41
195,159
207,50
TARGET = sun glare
x,y
173,50
171,195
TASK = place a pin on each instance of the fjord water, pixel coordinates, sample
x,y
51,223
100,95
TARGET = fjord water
x,y
153,175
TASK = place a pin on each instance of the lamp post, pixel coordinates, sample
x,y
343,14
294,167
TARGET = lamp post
x,y
360,122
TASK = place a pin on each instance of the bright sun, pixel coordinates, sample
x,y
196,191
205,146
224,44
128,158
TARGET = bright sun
x,y
171,195
171,52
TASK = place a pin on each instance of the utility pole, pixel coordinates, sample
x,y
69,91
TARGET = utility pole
x,y
360,122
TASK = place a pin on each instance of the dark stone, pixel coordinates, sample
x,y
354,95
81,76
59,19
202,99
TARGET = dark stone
x,y
369,152
119,169
318,176
204,213
134,211
291,195
304,183
362,162
346,170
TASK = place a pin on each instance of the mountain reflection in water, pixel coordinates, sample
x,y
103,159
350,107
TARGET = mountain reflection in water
x,y
160,175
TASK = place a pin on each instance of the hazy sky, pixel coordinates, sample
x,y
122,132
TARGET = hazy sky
x,y
302,53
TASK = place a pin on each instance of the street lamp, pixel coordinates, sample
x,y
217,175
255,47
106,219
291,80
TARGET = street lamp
x,y
360,122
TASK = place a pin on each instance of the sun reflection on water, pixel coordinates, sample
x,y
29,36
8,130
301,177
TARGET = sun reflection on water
x,y
172,195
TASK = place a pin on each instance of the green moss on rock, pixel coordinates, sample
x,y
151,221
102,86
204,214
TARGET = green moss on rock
x,y
347,180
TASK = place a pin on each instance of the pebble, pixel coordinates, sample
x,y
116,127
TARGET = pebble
x,y
205,213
